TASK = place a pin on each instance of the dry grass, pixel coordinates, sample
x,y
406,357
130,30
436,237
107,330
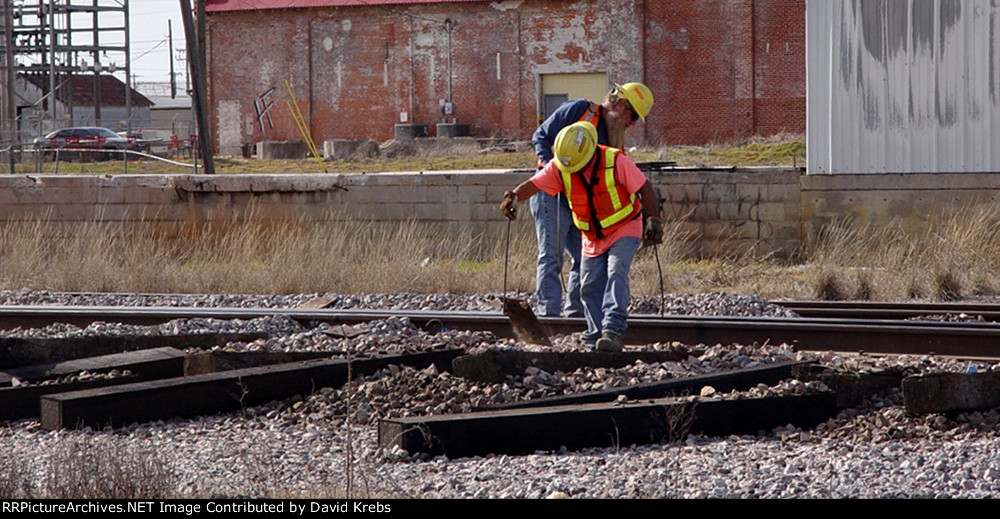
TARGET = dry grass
x,y
780,150
82,468
946,258
233,165
252,255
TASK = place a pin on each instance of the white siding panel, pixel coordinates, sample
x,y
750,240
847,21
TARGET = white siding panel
x,y
902,86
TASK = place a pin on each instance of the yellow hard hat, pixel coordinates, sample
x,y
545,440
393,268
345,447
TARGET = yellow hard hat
x,y
639,96
574,146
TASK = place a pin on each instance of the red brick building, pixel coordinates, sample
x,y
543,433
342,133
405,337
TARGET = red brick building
x,y
719,69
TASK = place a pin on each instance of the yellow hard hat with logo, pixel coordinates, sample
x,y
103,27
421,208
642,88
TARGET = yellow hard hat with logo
x,y
639,96
574,146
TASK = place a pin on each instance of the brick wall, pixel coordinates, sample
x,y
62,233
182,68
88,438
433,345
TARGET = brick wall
x,y
780,67
719,70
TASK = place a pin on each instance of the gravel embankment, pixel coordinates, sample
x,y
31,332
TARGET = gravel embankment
x,y
301,447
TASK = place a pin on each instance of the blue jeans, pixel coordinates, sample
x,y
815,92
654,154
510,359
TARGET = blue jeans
x,y
605,289
556,233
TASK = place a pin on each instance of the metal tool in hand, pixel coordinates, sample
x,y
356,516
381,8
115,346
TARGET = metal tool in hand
x,y
659,270
506,254
525,323
651,238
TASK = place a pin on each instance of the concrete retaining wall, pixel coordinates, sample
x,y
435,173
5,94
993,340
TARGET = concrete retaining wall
x,y
761,211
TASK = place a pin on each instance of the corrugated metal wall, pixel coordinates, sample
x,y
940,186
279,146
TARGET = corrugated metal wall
x,y
902,86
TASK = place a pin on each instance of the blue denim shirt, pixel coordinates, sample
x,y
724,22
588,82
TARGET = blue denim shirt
x,y
567,114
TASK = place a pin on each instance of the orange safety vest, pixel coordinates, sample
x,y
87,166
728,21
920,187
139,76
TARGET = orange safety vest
x,y
599,204
592,115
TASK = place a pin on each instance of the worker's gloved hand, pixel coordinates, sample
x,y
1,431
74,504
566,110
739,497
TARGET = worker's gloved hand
x,y
653,234
507,207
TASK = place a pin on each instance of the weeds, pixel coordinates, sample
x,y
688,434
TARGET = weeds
x,y
253,255
678,421
947,258
779,150
949,288
673,422
829,288
86,468
864,286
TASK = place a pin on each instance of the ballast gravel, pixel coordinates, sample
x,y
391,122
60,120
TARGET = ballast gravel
x,y
324,445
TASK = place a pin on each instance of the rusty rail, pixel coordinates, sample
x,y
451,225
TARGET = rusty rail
x,y
960,339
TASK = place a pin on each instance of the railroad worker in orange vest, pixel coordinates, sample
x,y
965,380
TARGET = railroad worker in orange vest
x,y
554,228
607,195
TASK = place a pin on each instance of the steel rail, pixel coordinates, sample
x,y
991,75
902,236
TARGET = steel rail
x,y
819,308
960,339
889,310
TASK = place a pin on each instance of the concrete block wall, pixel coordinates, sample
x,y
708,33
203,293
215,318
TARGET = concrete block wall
x,y
725,210
340,149
739,211
282,150
756,211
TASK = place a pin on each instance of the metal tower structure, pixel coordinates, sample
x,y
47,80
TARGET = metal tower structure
x,y
59,40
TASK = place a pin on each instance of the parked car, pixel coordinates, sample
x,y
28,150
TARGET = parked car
x,y
155,142
85,138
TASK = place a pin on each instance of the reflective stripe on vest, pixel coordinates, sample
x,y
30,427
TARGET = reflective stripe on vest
x,y
592,114
582,205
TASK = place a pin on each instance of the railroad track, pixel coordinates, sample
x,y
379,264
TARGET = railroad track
x,y
838,328
99,404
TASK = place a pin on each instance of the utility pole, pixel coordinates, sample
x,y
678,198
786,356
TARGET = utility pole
x,y
128,72
97,71
10,112
170,44
52,59
199,92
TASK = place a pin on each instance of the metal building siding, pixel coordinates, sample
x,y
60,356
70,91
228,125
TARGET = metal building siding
x,y
902,86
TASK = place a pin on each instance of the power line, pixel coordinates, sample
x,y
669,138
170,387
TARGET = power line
x,y
161,42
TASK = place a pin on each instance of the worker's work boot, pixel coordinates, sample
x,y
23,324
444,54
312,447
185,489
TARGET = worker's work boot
x,y
609,342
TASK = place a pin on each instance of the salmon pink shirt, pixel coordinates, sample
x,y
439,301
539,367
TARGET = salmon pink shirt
x,y
549,180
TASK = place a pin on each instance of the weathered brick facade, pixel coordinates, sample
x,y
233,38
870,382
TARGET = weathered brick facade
x,y
720,69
